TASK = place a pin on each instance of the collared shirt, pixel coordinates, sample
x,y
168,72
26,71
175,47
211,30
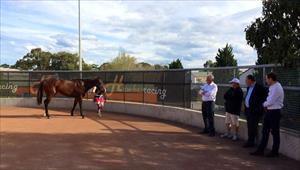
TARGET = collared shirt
x,y
275,97
249,94
210,92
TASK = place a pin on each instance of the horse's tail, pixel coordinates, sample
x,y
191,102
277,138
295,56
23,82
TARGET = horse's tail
x,y
39,96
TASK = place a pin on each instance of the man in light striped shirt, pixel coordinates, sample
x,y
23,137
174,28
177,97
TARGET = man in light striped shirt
x,y
271,123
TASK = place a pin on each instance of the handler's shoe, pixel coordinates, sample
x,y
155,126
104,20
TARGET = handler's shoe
x,y
225,135
235,138
99,113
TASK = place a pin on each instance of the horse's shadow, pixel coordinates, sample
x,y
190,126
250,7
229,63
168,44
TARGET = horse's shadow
x,y
63,113
32,116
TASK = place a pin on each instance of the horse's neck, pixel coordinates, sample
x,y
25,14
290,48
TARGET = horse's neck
x,y
88,85
87,88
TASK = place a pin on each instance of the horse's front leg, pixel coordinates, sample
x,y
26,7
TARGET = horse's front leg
x,y
80,106
46,103
74,105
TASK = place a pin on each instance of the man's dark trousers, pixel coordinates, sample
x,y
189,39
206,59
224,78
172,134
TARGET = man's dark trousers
x,y
271,124
208,109
252,125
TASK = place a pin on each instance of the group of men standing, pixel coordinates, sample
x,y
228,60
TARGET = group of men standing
x,y
258,102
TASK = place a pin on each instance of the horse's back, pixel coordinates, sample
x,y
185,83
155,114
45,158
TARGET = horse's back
x,y
71,88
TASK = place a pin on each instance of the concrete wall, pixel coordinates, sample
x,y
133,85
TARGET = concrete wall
x,y
290,141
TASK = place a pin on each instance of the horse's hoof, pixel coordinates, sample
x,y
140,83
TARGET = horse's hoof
x,y
48,117
82,117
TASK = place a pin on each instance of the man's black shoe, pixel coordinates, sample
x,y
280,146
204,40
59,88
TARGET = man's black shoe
x,y
211,134
272,155
257,153
203,132
248,145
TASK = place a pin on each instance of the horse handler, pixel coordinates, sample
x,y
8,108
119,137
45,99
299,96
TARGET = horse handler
x,y
99,101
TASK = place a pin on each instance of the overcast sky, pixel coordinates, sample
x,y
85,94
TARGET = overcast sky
x,y
153,31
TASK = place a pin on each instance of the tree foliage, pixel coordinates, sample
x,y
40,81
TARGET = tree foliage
x,y
125,62
175,64
209,63
225,57
37,59
276,34
160,67
5,65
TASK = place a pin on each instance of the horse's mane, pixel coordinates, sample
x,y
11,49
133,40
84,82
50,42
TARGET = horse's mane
x,y
89,83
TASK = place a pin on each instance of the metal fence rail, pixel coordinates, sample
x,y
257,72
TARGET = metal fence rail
x,y
166,87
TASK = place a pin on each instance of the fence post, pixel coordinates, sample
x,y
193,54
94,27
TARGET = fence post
x,y
234,73
143,83
124,86
29,92
8,78
183,93
264,75
163,85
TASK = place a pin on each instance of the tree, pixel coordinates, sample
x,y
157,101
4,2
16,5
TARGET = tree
x,y
160,67
123,62
209,63
35,60
276,34
94,67
4,65
225,57
105,66
175,64
145,66
41,60
86,66
64,61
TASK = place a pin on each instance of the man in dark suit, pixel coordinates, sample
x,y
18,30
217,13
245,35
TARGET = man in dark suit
x,y
255,97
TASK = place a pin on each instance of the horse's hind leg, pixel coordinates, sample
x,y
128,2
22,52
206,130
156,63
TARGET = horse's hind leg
x,y
80,106
46,103
74,105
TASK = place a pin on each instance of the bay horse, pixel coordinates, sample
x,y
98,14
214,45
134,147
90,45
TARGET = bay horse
x,y
71,88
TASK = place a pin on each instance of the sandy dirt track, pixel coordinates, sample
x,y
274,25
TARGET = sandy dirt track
x,y
116,141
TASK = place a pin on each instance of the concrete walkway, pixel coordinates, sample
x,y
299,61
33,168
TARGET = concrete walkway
x,y
116,141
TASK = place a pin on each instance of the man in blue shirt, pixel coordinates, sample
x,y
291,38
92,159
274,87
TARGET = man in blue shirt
x,y
255,96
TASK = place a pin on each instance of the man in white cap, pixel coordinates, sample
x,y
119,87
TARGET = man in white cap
x,y
233,103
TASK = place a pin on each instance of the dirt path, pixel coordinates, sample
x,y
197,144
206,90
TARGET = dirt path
x,y
116,141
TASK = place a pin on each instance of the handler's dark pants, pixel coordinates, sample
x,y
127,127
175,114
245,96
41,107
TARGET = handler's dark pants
x,y
208,108
271,123
252,125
